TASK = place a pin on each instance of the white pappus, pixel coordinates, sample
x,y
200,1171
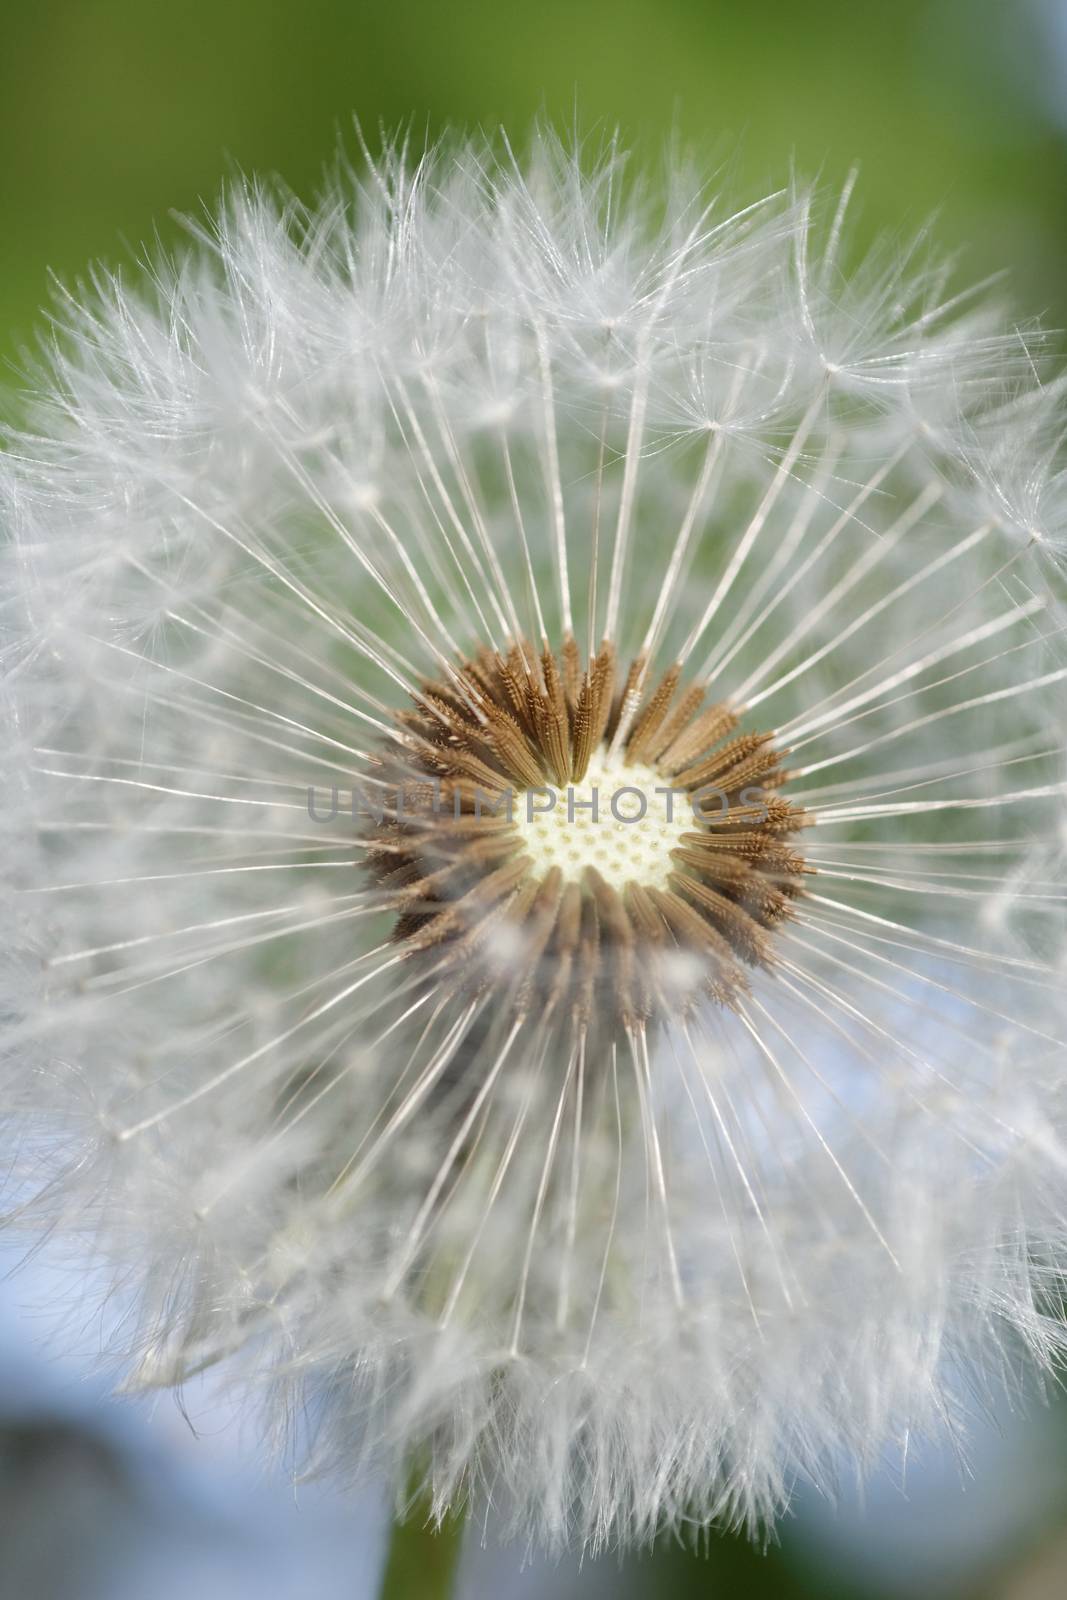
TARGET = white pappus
x,y
615,1171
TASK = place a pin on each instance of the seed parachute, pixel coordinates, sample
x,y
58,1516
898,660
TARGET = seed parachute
x,y
655,1093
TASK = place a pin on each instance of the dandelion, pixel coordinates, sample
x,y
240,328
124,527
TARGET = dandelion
x,y
537,710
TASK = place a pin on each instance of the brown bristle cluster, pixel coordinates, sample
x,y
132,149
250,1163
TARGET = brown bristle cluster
x,y
472,904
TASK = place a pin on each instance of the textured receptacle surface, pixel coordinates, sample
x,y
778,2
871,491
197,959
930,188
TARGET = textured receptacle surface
x,y
609,921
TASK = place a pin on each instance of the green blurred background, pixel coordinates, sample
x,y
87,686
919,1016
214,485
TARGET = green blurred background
x,y
117,115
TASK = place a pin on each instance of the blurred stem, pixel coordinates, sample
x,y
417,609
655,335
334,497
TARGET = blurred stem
x,y
423,1558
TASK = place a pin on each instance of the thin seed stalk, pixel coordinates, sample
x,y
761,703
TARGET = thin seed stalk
x,y
422,1561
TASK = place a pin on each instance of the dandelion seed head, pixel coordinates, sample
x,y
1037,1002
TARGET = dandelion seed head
x,y
622,1172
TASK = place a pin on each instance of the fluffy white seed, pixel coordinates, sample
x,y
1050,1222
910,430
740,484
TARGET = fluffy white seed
x,y
611,1268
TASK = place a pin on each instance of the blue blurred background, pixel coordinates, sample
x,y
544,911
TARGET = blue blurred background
x,y
117,117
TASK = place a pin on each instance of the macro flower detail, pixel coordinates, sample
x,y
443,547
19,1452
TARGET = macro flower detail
x,y
648,1092
616,928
